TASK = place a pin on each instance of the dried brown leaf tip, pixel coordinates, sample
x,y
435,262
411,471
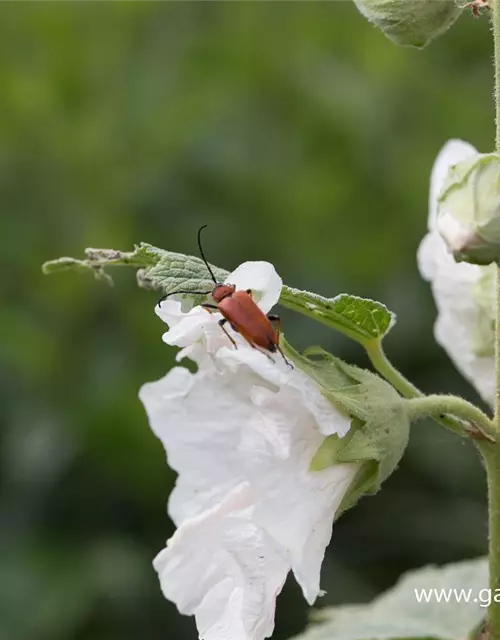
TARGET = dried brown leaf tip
x,y
477,7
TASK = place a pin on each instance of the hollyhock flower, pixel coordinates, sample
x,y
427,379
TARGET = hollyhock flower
x,y
463,292
468,208
241,433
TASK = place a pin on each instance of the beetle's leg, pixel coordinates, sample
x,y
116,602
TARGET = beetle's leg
x,y
211,308
268,355
222,322
289,364
263,351
249,291
277,320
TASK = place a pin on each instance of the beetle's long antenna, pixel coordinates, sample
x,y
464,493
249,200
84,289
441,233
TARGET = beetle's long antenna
x,y
203,255
194,293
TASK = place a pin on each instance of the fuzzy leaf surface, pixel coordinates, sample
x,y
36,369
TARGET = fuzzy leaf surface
x,y
396,614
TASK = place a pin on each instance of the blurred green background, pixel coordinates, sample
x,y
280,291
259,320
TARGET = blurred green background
x,y
301,136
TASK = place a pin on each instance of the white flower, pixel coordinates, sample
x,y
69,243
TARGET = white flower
x,y
241,433
468,205
463,292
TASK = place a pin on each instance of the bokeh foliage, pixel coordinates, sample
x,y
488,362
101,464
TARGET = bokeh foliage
x,y
301,136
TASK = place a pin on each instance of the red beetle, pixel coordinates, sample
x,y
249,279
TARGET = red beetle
x,y
243,314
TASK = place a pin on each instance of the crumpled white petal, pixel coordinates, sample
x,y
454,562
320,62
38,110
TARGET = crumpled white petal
x,y
221,561
241,433
454,286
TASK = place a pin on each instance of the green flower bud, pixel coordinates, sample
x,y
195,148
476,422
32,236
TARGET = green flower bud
x,y
412,23
468,212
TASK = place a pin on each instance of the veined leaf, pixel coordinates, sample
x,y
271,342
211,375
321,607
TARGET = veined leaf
x,y
360,319
398,614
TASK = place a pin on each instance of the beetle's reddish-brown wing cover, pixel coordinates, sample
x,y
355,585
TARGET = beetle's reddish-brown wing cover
x,y
247,319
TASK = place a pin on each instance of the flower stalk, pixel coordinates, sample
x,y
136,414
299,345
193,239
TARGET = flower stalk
x,y
491,452
437,405
383,365
442,409
491,456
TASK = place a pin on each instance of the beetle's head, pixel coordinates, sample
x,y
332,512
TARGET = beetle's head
x,y
221,291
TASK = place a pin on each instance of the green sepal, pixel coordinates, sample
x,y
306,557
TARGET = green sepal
x,y
380,423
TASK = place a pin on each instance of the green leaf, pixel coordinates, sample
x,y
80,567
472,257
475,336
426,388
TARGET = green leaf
x,y
397,614
361,319
380,427
177,272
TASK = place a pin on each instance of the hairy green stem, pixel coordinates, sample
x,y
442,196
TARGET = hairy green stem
x,y
459,424
491,453
495,13
437,405
491,456
383,365
495,20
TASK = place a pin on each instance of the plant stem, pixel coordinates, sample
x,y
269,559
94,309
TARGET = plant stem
x,y
491,452
495,20
495,17
491,456
383,365
462,426
436,405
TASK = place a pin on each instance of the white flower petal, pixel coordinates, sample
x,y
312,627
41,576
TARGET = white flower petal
x,y
197,331
279,373
262,279
172,311
185,328
454,287
452,152
226,570
189,413
250,422
452,333
309,551
456,235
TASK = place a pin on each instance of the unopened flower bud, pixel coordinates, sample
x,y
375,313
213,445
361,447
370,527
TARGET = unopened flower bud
x,y
411,23
464,293
468,214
